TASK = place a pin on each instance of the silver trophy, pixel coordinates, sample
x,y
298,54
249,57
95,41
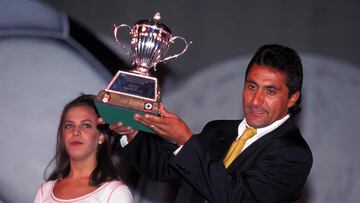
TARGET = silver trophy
x,y
137,91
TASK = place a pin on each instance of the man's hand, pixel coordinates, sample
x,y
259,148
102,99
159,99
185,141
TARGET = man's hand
x,y
168,125
120,129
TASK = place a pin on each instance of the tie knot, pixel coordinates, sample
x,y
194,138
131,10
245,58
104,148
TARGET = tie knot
x,y
248,133
238,145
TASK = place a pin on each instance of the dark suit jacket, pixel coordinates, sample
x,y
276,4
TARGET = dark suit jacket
x,y
272,169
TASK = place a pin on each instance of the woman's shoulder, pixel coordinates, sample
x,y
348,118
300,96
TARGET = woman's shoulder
x,y
48,183
116,184
119,190
47,186
45,191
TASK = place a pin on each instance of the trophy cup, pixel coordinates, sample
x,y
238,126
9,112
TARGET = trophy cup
x,y
136,91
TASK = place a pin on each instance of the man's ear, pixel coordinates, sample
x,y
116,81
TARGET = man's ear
x,y
293,99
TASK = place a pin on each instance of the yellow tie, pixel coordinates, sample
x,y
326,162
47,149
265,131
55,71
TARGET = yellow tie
x,y
237,146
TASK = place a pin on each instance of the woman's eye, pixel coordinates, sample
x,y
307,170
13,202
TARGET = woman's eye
x,y
86,125
67,125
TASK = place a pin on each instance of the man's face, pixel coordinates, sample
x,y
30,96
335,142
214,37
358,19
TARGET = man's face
x,y
265,96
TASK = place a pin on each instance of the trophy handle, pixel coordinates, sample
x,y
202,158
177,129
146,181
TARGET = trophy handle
x,y
187,44
117,40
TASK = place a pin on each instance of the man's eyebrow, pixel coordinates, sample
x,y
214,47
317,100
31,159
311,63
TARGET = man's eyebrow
x,y
250,81
266,86
271,87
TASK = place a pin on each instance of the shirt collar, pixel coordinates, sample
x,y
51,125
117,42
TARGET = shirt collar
x,y
264,130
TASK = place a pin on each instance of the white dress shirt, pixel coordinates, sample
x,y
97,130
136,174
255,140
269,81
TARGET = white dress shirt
x,y
259,131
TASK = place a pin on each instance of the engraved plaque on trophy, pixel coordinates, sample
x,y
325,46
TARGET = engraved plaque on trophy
x,y
136,91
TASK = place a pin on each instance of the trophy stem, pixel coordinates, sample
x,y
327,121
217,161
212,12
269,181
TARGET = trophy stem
x,y
141,70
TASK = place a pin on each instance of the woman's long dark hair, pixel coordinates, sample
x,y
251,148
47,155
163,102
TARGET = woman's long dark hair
x,y
105,169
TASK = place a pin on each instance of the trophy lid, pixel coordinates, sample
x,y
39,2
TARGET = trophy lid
x,y
155,22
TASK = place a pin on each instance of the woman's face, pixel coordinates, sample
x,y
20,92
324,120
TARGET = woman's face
x,y
81,137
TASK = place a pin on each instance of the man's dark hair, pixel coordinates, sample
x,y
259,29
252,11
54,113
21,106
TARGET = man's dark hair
x,y
283,59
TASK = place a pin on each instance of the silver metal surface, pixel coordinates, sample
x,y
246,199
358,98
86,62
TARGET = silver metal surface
x,y
149,44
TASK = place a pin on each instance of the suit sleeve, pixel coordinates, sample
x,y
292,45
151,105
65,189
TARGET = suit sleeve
x,y
272,178
150,154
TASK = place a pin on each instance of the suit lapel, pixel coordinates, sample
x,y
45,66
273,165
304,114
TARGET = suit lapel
x,y
262,142
222,139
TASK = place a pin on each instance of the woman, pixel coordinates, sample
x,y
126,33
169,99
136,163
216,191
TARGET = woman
x,y
84,171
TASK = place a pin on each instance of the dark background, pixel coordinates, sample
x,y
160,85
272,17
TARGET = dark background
x,y
221,30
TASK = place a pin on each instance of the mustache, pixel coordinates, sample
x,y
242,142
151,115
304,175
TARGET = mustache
x,y
255,109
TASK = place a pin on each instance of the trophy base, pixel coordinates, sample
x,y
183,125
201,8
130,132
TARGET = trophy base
x,y
114,108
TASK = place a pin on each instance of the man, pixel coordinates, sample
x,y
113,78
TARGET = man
x,y
268,163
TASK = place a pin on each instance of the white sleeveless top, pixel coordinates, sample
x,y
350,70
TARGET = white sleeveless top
x,y
109,192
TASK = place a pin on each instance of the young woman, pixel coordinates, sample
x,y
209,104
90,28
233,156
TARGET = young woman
x,y
84,171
